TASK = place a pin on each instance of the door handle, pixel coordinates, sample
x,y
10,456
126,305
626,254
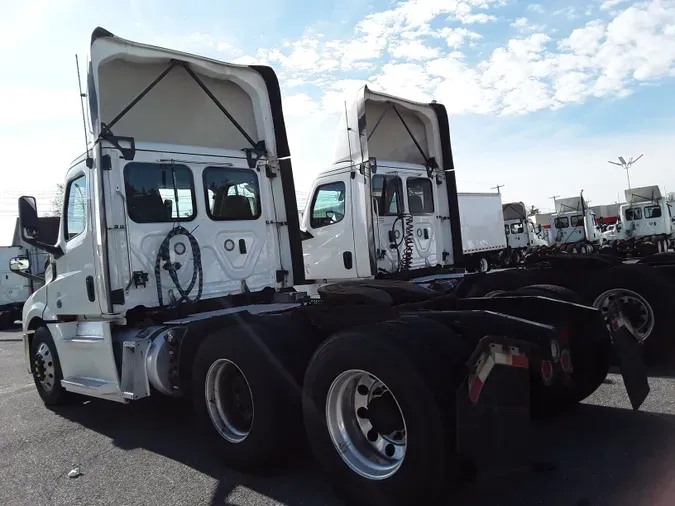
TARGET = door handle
x,y
89,281
347,260
426,233
242,246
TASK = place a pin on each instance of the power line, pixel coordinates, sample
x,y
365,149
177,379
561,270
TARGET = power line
x,y
498,188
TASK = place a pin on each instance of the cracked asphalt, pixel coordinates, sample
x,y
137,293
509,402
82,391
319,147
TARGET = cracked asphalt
x,y
146,453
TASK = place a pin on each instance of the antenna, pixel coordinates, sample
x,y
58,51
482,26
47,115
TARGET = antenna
x,y
498,188
349,140
84,120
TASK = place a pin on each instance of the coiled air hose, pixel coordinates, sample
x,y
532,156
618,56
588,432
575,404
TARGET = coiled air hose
x,y
172,267
405,260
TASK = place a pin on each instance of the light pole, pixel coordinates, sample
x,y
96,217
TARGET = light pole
x,y
626,165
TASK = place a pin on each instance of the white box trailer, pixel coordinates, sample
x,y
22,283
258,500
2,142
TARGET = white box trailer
x,y
14,289
482,222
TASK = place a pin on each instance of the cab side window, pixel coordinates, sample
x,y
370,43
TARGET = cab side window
x,y
76,207
328,205
387,193
653,212
633,213
420,196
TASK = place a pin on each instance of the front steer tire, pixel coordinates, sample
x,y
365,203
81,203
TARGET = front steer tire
x,y
51,392
273,376
422,378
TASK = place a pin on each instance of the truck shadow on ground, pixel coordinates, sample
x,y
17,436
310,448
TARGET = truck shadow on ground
x,y
164,426
601,456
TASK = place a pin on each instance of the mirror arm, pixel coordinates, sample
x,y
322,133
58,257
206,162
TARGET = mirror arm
x,y
34,277
52,250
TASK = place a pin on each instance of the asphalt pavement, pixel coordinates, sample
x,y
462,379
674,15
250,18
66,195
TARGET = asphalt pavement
x,y
146,453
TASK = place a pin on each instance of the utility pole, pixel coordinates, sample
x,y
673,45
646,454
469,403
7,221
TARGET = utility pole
x,y
497,188
554,197
626,165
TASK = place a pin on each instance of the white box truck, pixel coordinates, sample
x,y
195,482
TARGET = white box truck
x,y
14,289
482,222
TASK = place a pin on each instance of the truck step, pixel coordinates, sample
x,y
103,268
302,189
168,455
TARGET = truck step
x,y
135,383
92,387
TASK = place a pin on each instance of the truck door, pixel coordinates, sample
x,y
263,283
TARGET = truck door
x,y
328,243
421,200
72,291
388,205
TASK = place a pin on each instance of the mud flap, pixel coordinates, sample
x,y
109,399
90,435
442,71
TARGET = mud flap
x,y
628,351
493,404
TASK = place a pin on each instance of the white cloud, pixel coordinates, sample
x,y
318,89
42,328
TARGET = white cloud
x,y
412,50
300,105
535,8
569,12
523,26
527,73
456,37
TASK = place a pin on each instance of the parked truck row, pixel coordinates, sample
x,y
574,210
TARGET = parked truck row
x,y
180,260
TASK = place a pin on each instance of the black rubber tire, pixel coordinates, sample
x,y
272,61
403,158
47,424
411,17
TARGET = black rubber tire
x,y
57,395
271,371
651,285
609,250
552,291
374,292
422,377
502,280
6,320
667,257
646,248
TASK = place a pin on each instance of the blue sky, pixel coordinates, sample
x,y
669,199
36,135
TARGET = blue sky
x,y
540,95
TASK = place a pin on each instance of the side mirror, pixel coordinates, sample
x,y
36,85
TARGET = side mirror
x,y
19,264
29,223
28,219
372,161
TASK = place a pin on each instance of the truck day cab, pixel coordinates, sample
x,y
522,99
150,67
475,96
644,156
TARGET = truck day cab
x,y
522,237
645,226
177,256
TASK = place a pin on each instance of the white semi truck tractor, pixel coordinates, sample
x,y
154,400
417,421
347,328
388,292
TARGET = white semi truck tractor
x,y
180,246
646,225
522,236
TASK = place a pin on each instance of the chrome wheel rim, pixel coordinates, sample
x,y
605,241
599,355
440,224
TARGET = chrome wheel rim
x,y
366,424
637,310
229,400
43,367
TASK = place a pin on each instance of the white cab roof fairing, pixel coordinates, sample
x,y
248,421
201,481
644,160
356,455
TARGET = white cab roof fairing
x,y
514,211
178,113
375,130
643,194
370,127
569,204
176,110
